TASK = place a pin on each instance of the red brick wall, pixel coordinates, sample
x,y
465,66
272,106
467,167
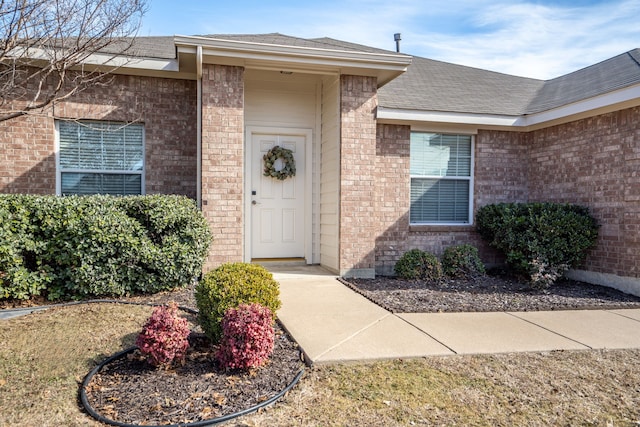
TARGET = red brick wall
x,y
595,162
500,171
167,108
222,160
501,167
27,159
358,101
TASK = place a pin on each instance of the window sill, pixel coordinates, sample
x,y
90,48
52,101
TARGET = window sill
x,y
435,228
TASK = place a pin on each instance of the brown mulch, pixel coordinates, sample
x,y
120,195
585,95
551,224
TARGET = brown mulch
x,y
487,293
128,390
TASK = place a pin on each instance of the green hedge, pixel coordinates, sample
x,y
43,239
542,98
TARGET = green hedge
x,y
540,240
79,246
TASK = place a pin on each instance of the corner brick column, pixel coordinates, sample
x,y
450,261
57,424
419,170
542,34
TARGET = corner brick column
x,y
358,101
223,161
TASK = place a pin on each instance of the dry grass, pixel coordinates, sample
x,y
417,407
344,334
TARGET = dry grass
x,y
599,388
44,356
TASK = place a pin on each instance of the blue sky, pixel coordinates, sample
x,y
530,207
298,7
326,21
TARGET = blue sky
x,y
539,39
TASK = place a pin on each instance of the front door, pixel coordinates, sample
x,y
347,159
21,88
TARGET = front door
x,y
277,206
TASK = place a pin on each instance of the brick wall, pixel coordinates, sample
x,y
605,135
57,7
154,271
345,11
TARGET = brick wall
x,y
358,101
501,167
167,108
392,186
595,162
27,159
222,160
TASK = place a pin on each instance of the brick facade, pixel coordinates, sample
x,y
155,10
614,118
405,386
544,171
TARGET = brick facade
x,y
595,162
358,101
27,158
165,106
222,160
499,166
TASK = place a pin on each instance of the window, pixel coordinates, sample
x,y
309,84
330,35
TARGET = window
x,y
100,158
441,172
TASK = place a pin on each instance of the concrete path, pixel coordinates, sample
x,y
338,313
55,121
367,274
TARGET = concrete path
x,y
333,324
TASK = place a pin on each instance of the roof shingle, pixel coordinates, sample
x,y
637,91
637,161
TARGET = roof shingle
x,y
430,85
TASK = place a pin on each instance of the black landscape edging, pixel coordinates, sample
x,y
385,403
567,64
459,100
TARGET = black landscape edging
x,y
91,411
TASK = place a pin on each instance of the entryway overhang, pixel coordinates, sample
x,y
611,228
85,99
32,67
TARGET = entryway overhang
x,y
384,66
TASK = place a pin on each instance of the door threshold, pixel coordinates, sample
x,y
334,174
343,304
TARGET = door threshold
x,y
279,261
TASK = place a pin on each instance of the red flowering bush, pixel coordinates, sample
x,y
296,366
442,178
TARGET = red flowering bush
x,y
247,337
164,337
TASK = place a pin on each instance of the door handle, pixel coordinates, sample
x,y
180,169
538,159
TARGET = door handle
x,y
253,202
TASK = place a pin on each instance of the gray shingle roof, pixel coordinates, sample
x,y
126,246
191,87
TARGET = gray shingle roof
x,y
430,85
440,86
146,47
284,40
616,73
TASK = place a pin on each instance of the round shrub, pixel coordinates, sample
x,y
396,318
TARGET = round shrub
x,y
540,240
227,287
418,264
247,337
164,338
462,261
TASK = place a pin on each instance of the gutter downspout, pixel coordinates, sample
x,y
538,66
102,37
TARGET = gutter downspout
x,y
199,127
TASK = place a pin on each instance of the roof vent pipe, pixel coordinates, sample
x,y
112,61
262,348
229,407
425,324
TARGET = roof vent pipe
x,y
397,38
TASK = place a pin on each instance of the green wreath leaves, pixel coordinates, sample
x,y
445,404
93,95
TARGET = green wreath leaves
x,y
288,163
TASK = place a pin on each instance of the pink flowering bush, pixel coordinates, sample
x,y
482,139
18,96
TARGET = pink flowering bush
x,y
247,337
164,338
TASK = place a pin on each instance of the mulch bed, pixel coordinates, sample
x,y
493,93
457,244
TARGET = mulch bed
x,y
487,293
128,390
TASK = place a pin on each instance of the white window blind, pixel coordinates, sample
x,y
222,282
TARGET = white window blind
x,y
440,167
100,157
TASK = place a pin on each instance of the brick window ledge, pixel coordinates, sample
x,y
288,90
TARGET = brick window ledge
x,y
441,228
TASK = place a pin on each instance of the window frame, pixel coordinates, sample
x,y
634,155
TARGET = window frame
x,y
60,170
469,179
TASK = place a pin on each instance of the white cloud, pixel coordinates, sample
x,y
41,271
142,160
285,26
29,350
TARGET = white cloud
x,y
538,41
533,38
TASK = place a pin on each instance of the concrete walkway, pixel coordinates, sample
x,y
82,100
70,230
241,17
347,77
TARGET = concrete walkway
x,y
332,324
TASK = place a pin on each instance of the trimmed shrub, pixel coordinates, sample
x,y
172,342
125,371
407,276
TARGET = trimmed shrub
x,y
80,246
462,261
164,337
540,240
227,287
418,264
247,337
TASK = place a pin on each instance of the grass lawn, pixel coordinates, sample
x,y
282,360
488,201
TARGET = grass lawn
x,y
44,357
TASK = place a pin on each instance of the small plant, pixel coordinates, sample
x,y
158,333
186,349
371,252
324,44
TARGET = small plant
x,y
544,275
462,261
227,287
418,264
247,337
164,338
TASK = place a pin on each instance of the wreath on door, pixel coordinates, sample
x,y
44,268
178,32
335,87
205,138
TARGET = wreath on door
x,y
288,163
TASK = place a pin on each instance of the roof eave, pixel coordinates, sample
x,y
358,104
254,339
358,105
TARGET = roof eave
x,y
295,58
602,104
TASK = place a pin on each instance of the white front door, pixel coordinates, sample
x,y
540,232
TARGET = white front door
x,y
277,207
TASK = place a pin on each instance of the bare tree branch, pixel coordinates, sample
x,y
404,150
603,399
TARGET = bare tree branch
x,y
45,44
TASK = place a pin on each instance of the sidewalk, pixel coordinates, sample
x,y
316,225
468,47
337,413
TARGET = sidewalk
x,y
332,323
